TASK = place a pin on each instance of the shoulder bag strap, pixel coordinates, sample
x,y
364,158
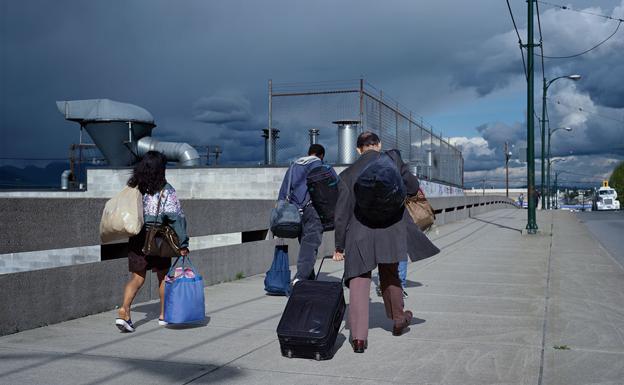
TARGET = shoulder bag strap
x,y
290,170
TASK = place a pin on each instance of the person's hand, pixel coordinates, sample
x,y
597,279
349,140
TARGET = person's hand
x,y
184,251
338,256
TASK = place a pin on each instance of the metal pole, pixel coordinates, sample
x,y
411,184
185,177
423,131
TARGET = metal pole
x,y
396,126
543,155
548,168
361,104
531,215
506,170
410,137
380,107
270,131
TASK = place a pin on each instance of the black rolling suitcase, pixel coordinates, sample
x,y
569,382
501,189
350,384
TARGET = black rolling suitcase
x,y
310,322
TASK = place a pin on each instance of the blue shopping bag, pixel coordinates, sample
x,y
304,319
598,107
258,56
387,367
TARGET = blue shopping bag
x,y
277,280
184,294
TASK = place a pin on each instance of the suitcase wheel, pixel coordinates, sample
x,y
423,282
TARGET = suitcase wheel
x,y
317,356
289,353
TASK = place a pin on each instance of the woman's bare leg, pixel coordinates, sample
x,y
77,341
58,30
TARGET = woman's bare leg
x,y
130,291
161,291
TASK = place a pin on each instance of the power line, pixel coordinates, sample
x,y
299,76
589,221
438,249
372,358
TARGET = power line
x,y
513,20
581,109
568,8
587,50
541,45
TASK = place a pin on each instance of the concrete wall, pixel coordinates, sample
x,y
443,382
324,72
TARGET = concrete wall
x,y
46,296
29,224
42,297
200,183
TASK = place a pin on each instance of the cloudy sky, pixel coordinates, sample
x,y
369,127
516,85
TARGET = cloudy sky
x,y
201,68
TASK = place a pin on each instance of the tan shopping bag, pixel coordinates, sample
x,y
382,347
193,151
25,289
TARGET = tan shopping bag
x,y
122,216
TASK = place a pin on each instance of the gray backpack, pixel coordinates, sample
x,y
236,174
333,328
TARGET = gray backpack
x,y
285,217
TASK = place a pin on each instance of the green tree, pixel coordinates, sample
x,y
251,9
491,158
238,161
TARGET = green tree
x,y
617,180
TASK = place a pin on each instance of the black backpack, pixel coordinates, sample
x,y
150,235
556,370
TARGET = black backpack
x,y
379,193
323,188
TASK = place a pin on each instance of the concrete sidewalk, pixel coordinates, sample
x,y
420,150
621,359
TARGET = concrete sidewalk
x,y
490,309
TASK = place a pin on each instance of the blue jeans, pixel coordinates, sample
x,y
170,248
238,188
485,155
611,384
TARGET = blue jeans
x,y
403,273
309,242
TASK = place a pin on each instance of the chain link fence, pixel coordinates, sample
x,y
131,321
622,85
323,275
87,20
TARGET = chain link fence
x,y
297,108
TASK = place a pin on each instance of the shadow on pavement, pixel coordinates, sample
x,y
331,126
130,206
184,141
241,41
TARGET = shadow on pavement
x,y
377,318
498,225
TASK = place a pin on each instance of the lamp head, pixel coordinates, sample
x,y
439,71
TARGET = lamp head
x,y
574,77
567,128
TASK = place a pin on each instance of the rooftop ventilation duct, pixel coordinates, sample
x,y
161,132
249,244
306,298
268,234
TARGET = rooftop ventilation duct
x,y
123,131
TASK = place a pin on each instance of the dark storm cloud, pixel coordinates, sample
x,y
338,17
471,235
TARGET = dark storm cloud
x,y
222,110
592,107
201,68
165,56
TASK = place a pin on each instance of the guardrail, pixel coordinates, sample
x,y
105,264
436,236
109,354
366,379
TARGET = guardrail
x,y
40,297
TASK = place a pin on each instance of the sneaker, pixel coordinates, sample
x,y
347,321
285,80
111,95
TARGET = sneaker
x,y
378,290
124,326
162,322
405,294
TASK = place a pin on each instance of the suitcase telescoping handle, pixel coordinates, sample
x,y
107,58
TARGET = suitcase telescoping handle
x,y
321,266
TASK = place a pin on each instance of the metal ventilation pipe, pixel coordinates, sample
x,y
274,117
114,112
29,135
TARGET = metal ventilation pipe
x,y
65,179
314,133
183,153
347,140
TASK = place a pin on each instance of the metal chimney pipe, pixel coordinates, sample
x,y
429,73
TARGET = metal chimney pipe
x,y
314,133
347,140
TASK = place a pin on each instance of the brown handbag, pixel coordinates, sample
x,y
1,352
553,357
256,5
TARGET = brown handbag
x,y
160,239
420,210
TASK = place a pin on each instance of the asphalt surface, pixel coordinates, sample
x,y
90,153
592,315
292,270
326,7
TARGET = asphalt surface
x,y
608,228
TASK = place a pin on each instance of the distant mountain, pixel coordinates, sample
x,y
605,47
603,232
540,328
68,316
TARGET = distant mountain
x,y
32,176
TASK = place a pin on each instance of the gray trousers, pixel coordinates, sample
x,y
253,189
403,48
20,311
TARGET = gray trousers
x,y
309,242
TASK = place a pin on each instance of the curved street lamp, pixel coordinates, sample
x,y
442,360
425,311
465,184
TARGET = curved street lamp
x,y
550,132
547,84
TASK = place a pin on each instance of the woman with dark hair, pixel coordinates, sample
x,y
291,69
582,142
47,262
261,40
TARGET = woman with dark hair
x,y
149,177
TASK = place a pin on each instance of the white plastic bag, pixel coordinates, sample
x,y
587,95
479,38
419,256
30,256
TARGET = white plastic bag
x,y
122,216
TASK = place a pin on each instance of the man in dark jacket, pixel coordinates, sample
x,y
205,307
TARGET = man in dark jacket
x,y
312,229
365,248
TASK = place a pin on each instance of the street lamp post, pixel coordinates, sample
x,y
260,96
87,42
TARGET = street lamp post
x,y
556,202
531,226
547,84
550,132
507,156
550,162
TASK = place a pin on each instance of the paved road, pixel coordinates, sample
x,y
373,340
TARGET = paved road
x,y
608,228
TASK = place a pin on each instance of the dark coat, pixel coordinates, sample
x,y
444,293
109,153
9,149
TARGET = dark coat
x,y
366,247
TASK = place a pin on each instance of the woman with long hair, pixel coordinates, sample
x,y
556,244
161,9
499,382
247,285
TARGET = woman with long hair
x,y
149,177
